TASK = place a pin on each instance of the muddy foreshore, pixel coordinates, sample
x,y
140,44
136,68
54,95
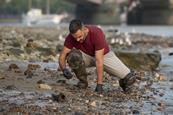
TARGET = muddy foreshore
x,y
41,89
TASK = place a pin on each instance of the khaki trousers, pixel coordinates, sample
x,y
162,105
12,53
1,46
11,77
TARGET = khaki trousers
x,y
112,64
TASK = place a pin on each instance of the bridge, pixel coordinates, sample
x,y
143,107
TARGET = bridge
x,y
151,12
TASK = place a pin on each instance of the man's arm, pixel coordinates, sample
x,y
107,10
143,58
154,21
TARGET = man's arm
x,y
62,57
99,65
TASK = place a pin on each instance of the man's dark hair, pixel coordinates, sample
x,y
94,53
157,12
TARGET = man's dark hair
x,y
75,25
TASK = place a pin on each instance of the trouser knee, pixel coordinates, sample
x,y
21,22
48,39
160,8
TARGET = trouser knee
x,y
74,59
77,64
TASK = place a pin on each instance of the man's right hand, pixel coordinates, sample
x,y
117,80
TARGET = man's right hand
x,y
67,74
99,88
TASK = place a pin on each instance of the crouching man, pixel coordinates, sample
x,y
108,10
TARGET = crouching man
x,y
86,46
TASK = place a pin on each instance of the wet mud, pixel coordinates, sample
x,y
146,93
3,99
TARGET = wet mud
x,y
31,82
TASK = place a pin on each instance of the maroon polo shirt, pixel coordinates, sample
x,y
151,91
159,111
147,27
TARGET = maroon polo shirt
x,y
94,41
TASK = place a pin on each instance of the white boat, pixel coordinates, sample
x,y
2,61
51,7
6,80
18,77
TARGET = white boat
x,y
36,17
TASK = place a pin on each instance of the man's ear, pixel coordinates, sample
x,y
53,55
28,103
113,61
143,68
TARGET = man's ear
x,y
85,29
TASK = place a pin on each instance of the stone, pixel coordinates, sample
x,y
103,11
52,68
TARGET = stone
x,y
162,78
2,77
40,82
82,85
2,110
45,86
136,112
140,60
61,81
86,101
59,98
10,87
30,70
33,66
93,104
79,113
12,67
170,54
15,51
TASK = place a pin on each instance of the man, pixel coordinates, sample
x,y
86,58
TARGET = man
x,y
92,50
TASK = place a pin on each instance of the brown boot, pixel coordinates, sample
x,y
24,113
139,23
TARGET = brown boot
x,y
77,64
128,81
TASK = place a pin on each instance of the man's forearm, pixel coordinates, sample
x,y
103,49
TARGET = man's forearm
x,y
99,67
62,58
61,62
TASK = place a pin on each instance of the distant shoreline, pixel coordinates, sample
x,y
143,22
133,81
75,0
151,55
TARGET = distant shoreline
x,y
158,30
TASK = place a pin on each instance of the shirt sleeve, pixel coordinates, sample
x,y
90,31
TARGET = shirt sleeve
x,y
99,40
69,42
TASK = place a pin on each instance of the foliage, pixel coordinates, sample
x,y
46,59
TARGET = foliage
x,y
18,7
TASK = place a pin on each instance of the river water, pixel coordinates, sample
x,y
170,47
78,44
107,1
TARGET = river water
x,y
159,30
151,30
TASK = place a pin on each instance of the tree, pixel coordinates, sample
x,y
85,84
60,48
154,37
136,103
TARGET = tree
x,y
18,7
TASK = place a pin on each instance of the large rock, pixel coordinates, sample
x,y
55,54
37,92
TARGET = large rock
x,y
140,60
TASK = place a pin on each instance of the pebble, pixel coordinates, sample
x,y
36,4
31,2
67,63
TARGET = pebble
x,y
40,82
86,101
93,104
59,98
61,81
161,94
170,54
14,67
45,86
11,87
79,113
162,78
136,112
2,109
1,77
115,85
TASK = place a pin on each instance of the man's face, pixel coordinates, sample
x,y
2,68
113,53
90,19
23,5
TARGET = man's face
x,y
79,35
